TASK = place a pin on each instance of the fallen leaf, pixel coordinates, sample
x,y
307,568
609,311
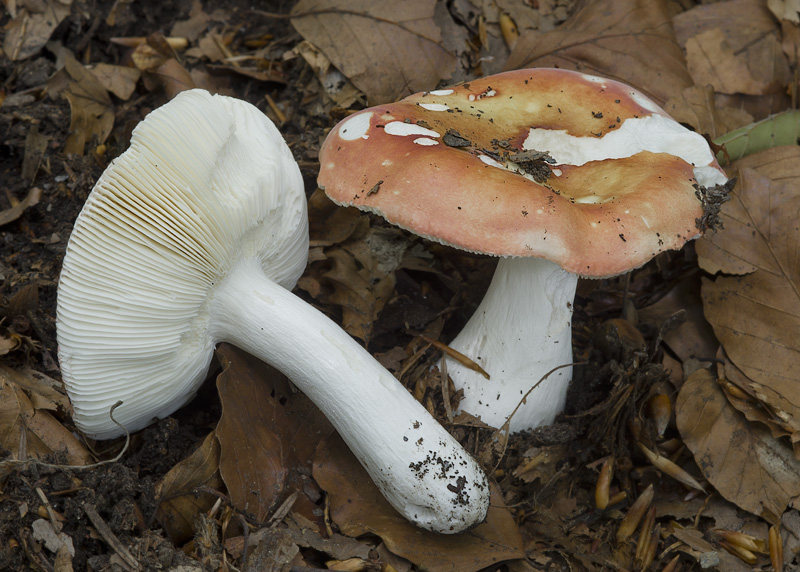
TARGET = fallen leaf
x,y
179,503
741,397
31,28
697,107
788,10
28,432
91,111
267,434
630,41
712,59
754,304
742,38
195,25
360,287
743,462
694,338
357,507
336,86
388,49
13,213
45,392
119,80
252,462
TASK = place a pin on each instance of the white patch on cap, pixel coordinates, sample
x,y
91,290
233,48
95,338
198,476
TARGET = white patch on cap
x,y
491,162
654,133
644,220
404,129
441,92
386,162
588,200
595,79
645,102
434,106
556,172
355,127
425,141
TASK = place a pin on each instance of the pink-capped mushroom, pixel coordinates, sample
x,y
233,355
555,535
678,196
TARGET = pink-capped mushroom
x,y
560,174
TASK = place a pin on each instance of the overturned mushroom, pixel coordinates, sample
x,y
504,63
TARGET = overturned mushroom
x,y
193,237
559,173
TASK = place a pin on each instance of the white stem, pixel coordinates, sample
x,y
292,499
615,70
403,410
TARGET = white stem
x,y
418,466
521,330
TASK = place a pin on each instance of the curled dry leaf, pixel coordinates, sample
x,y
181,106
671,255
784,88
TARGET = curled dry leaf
x,y
179,501
357,507
91,111
630,41
743,462
14,212
734,46
754,305
365,40
28,431
32,25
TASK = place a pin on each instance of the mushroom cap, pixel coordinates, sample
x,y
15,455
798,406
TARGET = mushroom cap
x,y
616,175
206,181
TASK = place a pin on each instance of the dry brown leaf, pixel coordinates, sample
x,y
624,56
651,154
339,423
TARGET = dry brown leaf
x,y
28,432
360,287
44,392
698,547
119,80
752,45
711,60
740,395
31,27
756,313
266,431
252,462
697,107
13,213
630,41
788,10
693,338
194,25
179,502
331,224
92,114
357,507
388,49
743,462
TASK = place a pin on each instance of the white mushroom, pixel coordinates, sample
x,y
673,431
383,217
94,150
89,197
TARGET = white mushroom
x,y
193,237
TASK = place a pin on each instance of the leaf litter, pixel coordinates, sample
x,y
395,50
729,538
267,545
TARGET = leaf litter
x,y
249,475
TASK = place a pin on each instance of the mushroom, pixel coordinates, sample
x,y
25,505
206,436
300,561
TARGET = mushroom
x,y
560,174
194,236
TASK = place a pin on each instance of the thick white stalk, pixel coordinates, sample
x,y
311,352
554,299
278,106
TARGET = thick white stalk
x,y
521,330
418,466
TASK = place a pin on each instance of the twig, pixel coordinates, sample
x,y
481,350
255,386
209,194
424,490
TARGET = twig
x,y
505,429
108,535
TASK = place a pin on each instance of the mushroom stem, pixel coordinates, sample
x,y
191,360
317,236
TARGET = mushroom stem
x,y
418,466
521,330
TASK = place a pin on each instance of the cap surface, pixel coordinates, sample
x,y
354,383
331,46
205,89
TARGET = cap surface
x,y
580,170
207,180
